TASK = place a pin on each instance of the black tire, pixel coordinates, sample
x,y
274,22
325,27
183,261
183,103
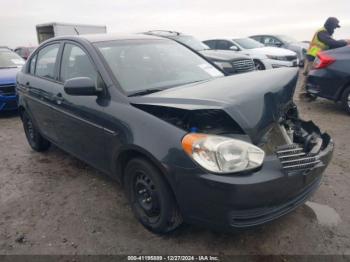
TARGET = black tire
x,y
150,197
259,65
35,139
345,99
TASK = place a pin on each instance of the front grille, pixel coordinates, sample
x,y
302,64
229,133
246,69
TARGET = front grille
x,y
291,57
243,65
293,158
7,90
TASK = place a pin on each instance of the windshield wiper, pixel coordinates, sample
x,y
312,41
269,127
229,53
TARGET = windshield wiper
x,y
145,92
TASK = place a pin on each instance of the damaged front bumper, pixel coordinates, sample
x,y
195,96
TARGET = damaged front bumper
x,y
288,177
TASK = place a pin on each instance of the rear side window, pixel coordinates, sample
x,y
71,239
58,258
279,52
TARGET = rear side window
x,y
210,43
223,45
45,66
32,65
76,63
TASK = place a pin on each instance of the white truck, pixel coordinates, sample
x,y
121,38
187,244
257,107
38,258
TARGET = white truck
x,y
49,30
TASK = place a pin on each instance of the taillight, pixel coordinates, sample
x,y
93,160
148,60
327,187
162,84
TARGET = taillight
x,y
322,61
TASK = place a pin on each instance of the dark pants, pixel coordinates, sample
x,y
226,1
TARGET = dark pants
x,y
307,68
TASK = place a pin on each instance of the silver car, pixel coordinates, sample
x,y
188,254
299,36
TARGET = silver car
x,y
285,42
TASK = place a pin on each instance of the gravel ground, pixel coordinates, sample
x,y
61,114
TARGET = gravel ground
x,y
52,203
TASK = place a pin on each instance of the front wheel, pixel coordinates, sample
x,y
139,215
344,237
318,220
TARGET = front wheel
x,y
151,198
35,139
346,99
259,65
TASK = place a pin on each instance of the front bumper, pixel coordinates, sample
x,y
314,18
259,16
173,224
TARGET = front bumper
x,y
8,103
279,63
245,200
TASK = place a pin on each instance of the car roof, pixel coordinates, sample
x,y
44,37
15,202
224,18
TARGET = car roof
x,y
94,38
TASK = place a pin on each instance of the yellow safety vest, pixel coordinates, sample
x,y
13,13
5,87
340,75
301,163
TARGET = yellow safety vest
x,y
316,44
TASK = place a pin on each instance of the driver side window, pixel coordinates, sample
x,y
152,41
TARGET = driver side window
x,y
76,63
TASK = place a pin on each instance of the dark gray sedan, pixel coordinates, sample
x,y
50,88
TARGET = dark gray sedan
x,y
187,143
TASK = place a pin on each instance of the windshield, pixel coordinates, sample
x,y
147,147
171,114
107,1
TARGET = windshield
x,y
192,42
140,65
248,43
9,59
286,39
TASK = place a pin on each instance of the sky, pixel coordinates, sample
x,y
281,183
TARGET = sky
x,y
201,18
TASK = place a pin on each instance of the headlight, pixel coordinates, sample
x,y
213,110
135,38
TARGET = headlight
x,y
222,154
223,65
273,57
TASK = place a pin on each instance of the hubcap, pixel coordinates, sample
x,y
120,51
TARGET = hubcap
x,y
146,195
348,100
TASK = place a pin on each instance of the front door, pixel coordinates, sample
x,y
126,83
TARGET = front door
x,y
81,124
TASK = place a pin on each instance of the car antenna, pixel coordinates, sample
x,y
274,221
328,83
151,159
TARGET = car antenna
x,y
76,30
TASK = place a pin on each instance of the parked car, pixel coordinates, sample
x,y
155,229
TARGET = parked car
x,y
264,57
187,143
24,52
231,63
287,42
10,64
330,76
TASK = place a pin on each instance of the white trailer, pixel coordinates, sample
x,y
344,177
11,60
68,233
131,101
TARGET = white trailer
x,y
49,30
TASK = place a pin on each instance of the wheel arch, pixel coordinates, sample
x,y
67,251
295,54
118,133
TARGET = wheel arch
x,y
130,152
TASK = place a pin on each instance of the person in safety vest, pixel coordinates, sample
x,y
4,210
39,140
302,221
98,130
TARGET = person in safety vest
x,y
321,41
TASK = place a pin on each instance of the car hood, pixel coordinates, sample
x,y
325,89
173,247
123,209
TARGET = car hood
x,y
8,75
275,51
223,55
253,100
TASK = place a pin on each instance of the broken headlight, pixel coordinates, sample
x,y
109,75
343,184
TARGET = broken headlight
x,y
222,154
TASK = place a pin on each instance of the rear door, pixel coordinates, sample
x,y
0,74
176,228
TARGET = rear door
x,y
40,86
81,118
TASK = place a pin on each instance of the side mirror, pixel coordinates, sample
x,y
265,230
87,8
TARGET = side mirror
x,y
234,48
81,86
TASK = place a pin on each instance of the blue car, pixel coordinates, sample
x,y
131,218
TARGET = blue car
x,y
10,64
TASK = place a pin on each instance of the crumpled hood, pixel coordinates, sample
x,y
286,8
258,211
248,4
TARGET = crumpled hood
x,y
254,100
8,75
223,55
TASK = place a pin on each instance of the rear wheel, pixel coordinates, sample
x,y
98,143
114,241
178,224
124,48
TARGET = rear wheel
x,y
151,198
346,99
35,139
259,65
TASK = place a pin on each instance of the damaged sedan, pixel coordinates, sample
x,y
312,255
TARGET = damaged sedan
x,y
187,143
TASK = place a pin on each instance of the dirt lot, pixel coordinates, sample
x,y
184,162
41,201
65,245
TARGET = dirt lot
x,y
52,203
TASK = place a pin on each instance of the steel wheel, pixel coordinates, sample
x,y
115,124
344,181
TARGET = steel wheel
x,y
147,196
152,200
35,140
